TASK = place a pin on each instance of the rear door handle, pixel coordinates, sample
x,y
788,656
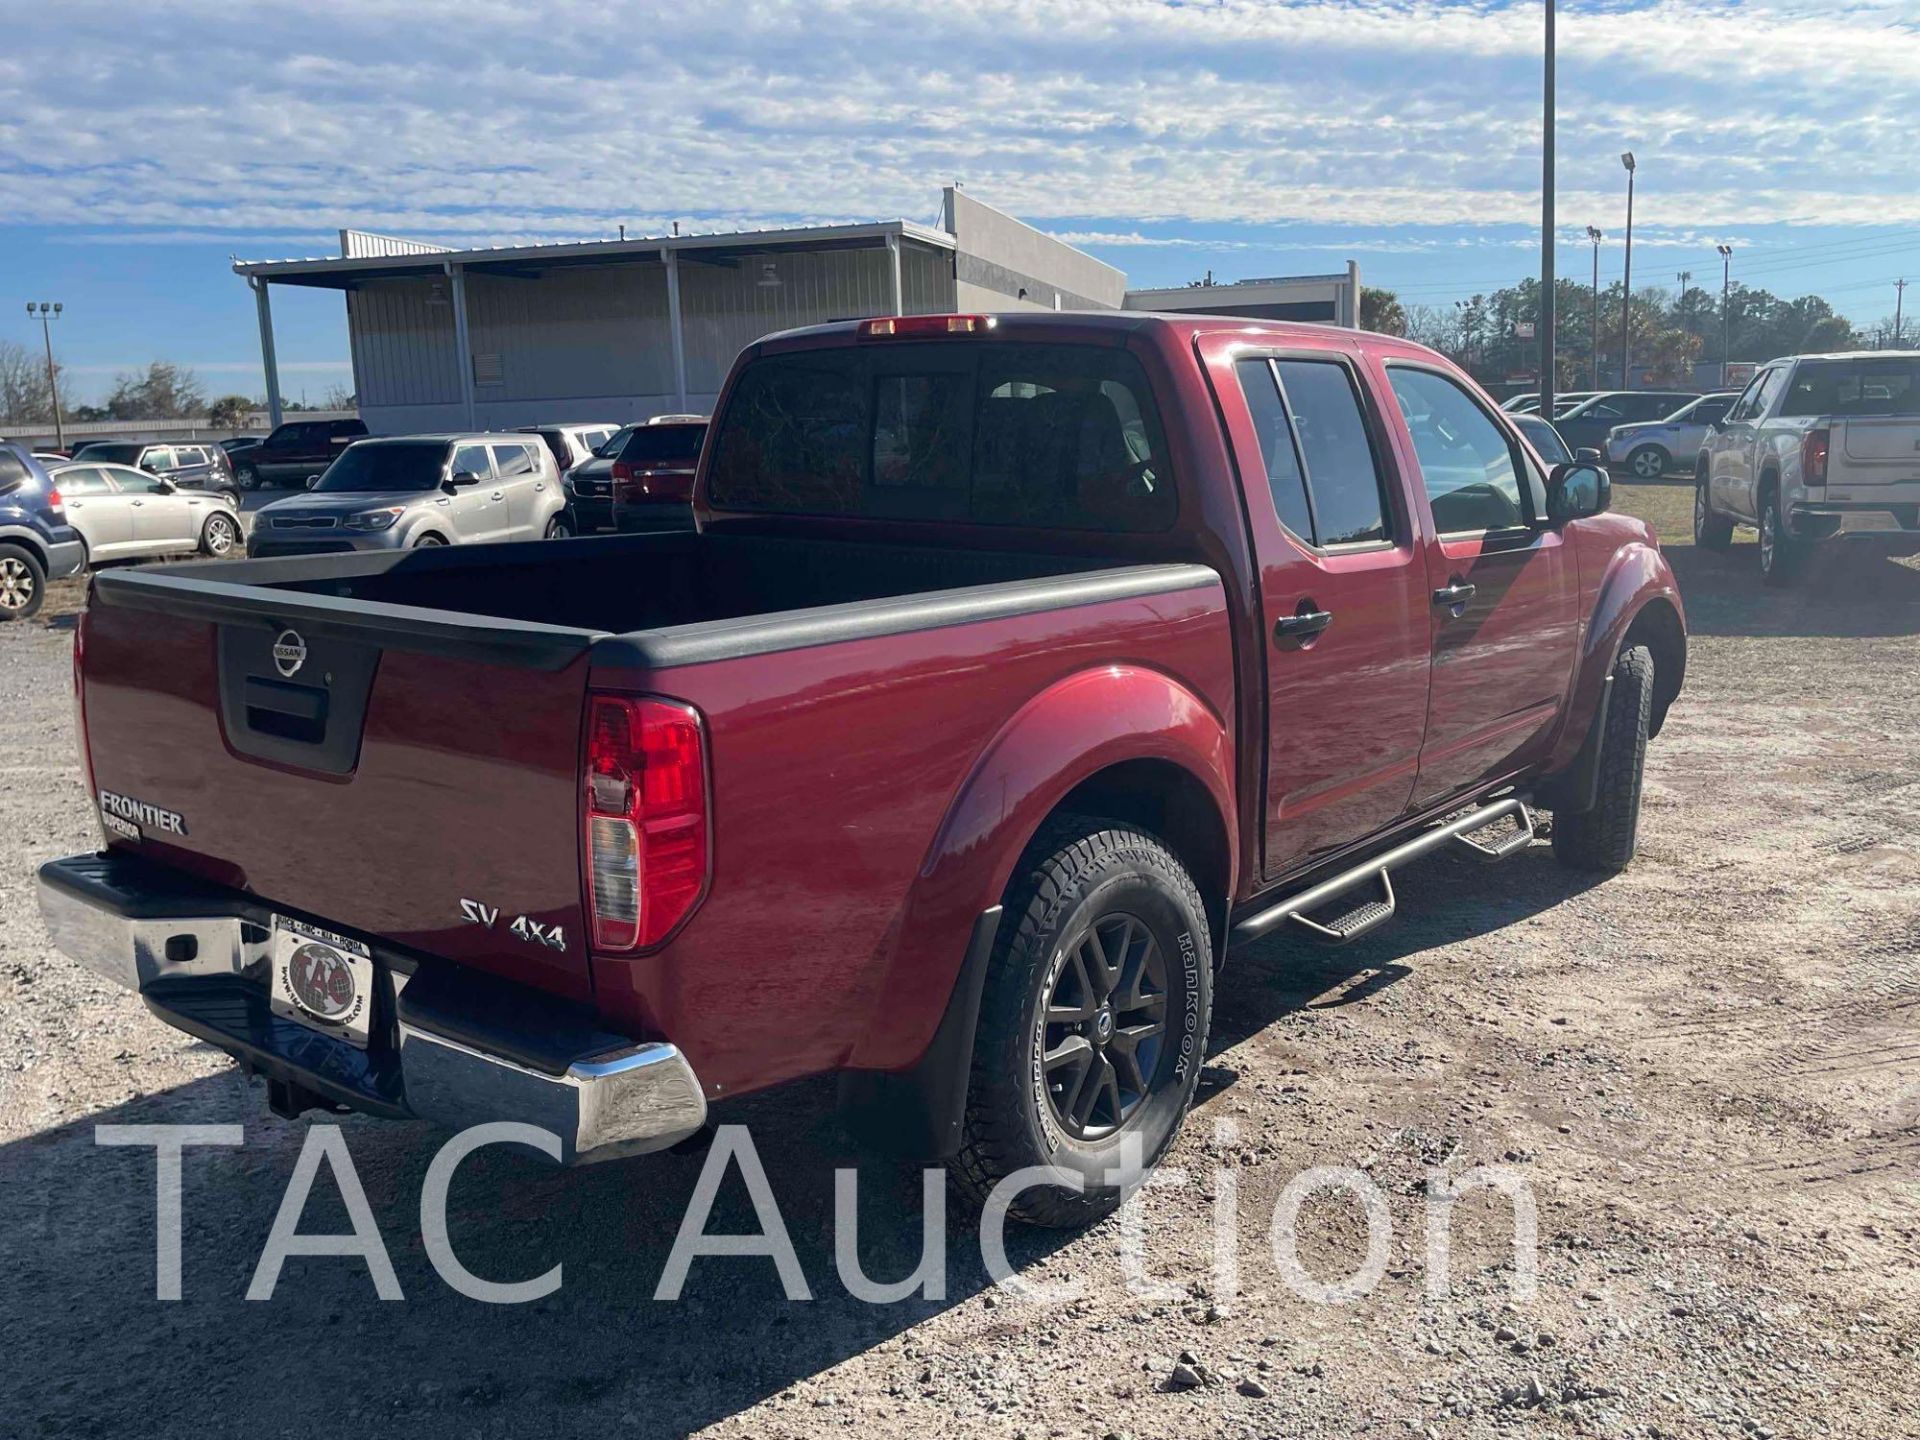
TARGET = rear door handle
x,y
1456,594
499,494
1298,627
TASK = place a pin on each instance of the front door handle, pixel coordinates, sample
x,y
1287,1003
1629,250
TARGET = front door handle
x,y
1302,625
1454,596
499,494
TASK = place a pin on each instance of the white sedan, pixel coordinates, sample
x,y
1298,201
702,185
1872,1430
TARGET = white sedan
x,y
123,513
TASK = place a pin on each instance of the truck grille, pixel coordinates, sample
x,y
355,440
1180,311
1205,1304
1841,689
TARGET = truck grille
x,y
306,522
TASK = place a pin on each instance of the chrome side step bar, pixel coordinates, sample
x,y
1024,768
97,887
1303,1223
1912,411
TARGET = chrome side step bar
x,y
1372,913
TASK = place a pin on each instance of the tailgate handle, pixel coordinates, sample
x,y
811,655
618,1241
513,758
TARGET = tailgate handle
x,y
292,712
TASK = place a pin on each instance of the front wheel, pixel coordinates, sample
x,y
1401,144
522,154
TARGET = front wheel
x,y
1710,531
1780,552
23,583
219,536
1649,462
426,542
1093,1024
1605,837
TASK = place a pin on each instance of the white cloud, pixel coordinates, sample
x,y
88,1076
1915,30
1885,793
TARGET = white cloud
x,y
273,124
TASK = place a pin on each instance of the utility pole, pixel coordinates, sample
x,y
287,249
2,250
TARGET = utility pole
x,y
1684,277
53,379
1547,296
1626,280
1726,291
1899,296
1596,235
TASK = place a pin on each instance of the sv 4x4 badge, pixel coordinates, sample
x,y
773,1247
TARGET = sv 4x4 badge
x,y
554,937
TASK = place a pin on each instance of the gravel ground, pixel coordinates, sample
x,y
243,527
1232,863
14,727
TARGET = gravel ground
x,y
1705,1070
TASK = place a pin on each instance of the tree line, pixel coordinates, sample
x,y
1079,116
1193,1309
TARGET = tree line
x,y
164,390
1670,332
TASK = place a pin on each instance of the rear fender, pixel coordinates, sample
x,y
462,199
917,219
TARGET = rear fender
x,y
1636,595
1069,732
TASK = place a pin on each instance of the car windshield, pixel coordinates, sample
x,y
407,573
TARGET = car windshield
x,y
110,452
1855,387
663,442
612,444
390,465
1545,439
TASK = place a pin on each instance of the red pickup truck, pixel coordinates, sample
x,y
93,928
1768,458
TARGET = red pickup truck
x,y
1018,666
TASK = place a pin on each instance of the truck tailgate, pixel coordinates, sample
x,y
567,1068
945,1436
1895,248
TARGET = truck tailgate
x,y
393,771
1876,452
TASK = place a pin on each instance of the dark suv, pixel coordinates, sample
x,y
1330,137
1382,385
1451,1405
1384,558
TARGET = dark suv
x,y
193,466
36,543
294,451
652,475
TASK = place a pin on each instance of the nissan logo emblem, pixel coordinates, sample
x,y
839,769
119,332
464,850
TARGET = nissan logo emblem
x,y
289,653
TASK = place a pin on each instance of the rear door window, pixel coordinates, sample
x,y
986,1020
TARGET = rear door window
x,y
1342,470
84,481
1285,482
510,461
1050,436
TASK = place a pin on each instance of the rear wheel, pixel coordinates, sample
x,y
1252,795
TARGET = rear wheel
x,y
1649,462
558,528
219,536
1605,837
1780,553
246,478
1710,531
1093,1023
23,583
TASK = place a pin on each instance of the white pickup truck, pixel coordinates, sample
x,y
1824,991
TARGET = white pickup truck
x,y
1817,448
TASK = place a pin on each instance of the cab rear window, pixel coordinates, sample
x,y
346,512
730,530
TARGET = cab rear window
x,y
1048,436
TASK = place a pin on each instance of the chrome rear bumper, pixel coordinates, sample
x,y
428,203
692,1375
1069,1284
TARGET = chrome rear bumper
x,y
198,957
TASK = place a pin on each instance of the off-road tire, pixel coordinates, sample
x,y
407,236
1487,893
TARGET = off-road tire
x,y
1710,531
1781,555
1605,837
23,583
1076,871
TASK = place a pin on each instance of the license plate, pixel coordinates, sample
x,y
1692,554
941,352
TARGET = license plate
x,y
322,979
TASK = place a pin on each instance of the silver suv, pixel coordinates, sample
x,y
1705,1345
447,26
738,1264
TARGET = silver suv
x,y
394,494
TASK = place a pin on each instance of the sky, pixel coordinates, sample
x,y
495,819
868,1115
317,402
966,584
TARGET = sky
x,y
142,147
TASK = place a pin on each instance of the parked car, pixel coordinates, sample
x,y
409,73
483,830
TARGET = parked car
x,y
121,512
1545,440
189,466
419,490
1817,448
1585,426
36,542
1528,402
983,710
589,485
1654,448
571,444
652,477
295,451
240,444
51,457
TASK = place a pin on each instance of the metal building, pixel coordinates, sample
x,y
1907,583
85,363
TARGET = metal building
x,y
1326,299
629,328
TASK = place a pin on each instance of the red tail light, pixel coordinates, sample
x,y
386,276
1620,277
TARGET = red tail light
x,y
54,502
646,812
1813,456
892,327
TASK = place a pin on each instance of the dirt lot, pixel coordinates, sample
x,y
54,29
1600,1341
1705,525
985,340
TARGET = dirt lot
x,y
1708,1071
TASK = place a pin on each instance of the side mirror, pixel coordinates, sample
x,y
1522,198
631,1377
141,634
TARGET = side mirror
x,y
311,481
1578,490
162,487
464,477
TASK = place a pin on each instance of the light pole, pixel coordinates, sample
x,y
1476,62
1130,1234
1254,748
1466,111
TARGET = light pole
x,y
1547,281
1596,235
1468,317
1626,279
1726,290
44,310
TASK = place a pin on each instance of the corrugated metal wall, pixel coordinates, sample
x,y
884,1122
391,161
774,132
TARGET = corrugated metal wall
x,y
591,342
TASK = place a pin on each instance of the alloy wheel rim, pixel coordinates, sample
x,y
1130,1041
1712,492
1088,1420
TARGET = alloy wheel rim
x,y
16,584
220,535
1103,1027
1646,465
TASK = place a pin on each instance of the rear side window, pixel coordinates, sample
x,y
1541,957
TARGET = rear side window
x,y
1269,414
1050,436
512,460
1343,474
